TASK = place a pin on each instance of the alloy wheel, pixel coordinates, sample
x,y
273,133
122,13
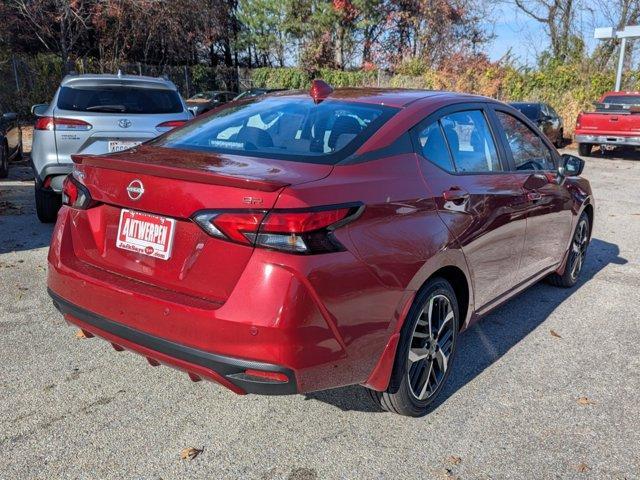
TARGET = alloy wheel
x,y
431,347
579,249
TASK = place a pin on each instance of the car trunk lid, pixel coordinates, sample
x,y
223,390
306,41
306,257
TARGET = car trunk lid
x,y
175,185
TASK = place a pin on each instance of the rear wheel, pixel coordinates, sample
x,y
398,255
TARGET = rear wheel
x,y
584,149
577,253
47,204
425,352
4,161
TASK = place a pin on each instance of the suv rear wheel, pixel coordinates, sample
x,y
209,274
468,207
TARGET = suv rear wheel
x,y
425,352
47,204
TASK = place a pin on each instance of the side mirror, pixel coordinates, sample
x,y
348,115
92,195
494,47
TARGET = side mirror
x,y
10,117
571,166
39,109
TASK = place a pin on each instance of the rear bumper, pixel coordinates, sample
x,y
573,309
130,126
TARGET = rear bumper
x,y
228,371
608,139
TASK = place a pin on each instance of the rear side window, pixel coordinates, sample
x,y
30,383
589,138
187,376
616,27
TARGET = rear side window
x,y
119,99
527,148
434,146
284,128
471,142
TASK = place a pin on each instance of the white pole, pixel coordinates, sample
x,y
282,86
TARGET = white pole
x,y
623,47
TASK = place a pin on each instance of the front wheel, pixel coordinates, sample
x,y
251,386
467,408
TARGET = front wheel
x,y
425,352
577,253
584,149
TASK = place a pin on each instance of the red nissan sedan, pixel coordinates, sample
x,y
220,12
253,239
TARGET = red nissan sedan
x,y
309,240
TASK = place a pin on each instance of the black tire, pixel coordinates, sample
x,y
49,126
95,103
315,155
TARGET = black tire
x,y
584,149
560,139
407,375
47,204
4,161
577,254
19,154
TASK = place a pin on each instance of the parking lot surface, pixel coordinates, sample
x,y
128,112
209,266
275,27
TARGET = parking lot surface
x,y
546,386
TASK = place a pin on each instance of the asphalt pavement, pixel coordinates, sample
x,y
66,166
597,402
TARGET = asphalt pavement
x,y
547,386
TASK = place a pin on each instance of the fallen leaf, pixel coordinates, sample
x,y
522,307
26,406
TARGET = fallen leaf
x,y
80,334
582,468
190,453
586,401
554,333
454,459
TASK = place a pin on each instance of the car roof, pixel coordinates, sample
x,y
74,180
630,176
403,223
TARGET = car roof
x,y
96,80
392,97
526,103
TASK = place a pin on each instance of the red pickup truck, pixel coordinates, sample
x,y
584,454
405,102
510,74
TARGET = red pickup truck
x,y
615,122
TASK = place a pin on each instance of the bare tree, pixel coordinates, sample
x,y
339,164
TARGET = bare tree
x,y
58,25
558,18
615,13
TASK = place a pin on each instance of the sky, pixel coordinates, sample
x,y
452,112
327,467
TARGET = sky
x,y
524,36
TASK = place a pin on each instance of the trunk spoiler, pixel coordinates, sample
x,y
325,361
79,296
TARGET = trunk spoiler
x,y
199,172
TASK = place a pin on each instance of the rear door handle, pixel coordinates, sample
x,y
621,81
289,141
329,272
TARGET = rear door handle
x,y
455,194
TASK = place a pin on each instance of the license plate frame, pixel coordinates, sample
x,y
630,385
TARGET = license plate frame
x,y
115,146
139,232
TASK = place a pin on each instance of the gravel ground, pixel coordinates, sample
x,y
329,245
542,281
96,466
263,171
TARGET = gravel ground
x,y
74,408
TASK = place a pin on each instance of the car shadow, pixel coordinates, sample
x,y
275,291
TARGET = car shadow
x,y
493,336
20,228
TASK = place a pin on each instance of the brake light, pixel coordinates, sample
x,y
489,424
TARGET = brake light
x,y
75,194
165,126
578,120
237,226
62,124
295,231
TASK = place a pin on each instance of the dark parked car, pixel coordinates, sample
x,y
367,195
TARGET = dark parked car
x,y
204,101
10,141
256,92
297,243
545,118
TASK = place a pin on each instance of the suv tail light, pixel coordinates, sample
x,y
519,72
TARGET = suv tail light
x,y
62,124
297,231
75,194
171,124
578,120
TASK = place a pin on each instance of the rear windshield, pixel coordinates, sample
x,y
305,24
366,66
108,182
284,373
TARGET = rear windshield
x,y
119,99
622,100
283,128
529,110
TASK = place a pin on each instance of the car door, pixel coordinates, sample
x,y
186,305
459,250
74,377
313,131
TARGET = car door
x,y
548,203
477,197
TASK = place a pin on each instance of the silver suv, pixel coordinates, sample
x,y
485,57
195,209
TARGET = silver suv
x,y
97,114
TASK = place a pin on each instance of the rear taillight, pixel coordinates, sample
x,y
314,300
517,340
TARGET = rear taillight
x,y
295,231
171,124
578,120
62,124
75,194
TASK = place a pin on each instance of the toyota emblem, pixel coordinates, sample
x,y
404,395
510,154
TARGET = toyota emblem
x,y
135,189
124,123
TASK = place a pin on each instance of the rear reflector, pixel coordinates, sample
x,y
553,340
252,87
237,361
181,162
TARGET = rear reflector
x,y
295,231
271,376
62,124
